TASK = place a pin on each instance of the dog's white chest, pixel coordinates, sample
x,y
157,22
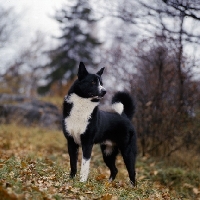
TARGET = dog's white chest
x,y
76,123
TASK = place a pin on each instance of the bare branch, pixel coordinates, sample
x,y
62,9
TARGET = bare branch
x,y
185,7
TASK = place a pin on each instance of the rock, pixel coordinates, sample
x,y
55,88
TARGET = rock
x,y
27,111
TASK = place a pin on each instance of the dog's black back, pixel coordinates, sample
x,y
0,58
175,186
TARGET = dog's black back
x,y
85,125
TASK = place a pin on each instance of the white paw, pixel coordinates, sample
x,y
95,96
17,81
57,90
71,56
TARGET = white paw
x,y
83,179
84,170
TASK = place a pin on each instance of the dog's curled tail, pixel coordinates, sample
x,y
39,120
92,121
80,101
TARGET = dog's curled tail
x,y
122,102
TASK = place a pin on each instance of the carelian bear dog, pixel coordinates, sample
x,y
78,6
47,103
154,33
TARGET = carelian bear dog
x,y
84,125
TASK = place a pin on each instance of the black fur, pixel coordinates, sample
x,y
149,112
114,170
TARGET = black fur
x,y
102,126
127,101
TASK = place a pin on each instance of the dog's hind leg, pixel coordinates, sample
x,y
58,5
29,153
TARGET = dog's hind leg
x,y
73,154
129,156
109,157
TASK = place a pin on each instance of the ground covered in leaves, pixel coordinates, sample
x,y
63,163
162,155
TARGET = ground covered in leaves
x,y
34,164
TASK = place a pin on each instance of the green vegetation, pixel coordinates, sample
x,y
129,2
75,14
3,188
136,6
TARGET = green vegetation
x,y
34,164
76,43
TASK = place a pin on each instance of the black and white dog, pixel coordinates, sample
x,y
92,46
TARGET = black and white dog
x,y
85,125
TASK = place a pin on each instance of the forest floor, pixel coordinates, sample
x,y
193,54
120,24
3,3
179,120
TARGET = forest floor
x,y
34,164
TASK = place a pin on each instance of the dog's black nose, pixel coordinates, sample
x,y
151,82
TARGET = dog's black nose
x,y
103,92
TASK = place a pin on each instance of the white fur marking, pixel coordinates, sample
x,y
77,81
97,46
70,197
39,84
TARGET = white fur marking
x,y
109,147
118,107
76,123
101,88
85,166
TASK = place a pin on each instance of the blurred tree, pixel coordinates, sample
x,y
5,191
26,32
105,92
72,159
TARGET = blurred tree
x,y
175,20
24,71
77,43
184,16
160,124
7,25
164,86
187,7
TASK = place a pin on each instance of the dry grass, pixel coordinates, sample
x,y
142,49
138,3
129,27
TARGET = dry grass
x,y
34,164
56,100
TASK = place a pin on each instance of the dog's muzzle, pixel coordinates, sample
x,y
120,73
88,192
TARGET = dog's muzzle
x,y
103,92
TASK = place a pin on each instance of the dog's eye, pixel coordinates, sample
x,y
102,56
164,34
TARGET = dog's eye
x,y
93,82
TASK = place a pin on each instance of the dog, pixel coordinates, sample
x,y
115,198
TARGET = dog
x,y
84,125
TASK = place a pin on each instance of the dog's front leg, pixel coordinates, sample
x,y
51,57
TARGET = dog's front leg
x,y
73,154
85,165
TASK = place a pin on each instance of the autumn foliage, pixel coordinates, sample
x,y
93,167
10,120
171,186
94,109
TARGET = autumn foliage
x,y
34,164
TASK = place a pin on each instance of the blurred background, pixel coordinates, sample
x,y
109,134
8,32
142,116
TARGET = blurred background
x,y
149,48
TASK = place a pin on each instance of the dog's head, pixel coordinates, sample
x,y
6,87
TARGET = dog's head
x,y
89,85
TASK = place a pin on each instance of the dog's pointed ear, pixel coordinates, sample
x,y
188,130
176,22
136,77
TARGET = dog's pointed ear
x,y
82,71
100,72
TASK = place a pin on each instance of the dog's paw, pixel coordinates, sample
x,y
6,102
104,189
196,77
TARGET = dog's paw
x,y
72,174
83,178
133,184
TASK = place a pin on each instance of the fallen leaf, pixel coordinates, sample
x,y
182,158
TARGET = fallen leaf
x,y
107,197
69,187
1,165
152,164
89,192
166,196
187,185
82,198
141,177
148,103
196,191
23,164
114,198
100,177
155,172
108,184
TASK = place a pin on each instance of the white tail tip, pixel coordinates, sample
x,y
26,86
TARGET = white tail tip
x,y
118,107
